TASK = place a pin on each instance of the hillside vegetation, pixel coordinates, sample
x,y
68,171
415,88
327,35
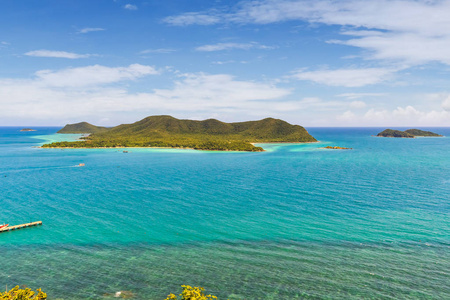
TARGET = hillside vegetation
x,y
82,127
395,133
418,132
211,134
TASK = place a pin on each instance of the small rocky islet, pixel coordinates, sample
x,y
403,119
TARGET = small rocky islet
x,y
410,133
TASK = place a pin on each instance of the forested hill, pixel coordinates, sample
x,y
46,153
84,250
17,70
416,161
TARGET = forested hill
x,y
266,130
211,134
82,127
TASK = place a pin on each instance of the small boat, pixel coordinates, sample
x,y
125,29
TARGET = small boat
x,y
125,151
81,165
4,225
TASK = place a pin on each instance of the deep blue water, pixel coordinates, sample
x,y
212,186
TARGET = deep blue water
x,y
295,222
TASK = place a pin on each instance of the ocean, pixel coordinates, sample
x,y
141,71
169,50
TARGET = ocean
x,y
294,222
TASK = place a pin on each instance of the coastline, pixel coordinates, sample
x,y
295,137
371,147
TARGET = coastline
x,y
285,143
121,147
180,148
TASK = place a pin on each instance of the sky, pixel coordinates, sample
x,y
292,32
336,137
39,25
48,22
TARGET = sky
x,y
309,62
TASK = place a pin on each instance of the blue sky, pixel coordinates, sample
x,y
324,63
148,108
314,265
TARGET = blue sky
x,y
313,63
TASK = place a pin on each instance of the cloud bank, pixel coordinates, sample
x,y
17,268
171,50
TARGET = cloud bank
x,y
92,91
409,31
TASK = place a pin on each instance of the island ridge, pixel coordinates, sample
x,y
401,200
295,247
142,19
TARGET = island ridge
x,y
169,132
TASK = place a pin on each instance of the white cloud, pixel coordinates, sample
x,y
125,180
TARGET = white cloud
x,y
56,54
409,48
409,31
351,77
410,115
219,90
130,7
352,96
358,104
446,104
4,44
160,50
400,116
347,116
90,29
193,18
229,46
92,75
425,17
96,93
219,62
70,95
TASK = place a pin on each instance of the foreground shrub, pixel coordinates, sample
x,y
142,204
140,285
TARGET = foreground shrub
x,y
23,294
191,293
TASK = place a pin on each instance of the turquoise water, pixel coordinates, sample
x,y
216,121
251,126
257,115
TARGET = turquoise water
x,y
295,222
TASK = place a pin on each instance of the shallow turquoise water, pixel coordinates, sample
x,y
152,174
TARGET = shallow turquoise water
x,y
291,223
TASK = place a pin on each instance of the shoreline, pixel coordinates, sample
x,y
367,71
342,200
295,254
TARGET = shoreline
x,y
121,147
285,143
179,148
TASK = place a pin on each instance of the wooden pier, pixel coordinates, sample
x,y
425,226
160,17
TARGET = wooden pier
x,y
15,227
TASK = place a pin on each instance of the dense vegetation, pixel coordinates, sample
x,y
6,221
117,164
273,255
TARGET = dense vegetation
x,y
82,127
211,134
191,293
395,133
23,294
410,133
336,148
418,132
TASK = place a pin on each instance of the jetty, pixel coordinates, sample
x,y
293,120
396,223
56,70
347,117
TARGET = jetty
x,y
15,227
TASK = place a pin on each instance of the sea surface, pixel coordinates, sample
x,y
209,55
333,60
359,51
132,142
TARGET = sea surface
x,y
294,222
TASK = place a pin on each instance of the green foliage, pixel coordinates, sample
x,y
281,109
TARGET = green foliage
x,y
336,147
191,293
418,132
23,294
82,127
266,130
395,133
211,134
172,143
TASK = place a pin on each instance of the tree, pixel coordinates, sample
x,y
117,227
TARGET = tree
x,y
23,294
192,293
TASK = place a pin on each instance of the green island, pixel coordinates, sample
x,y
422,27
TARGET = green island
x,y
337,148
418,132
27,129
410,133
169,132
